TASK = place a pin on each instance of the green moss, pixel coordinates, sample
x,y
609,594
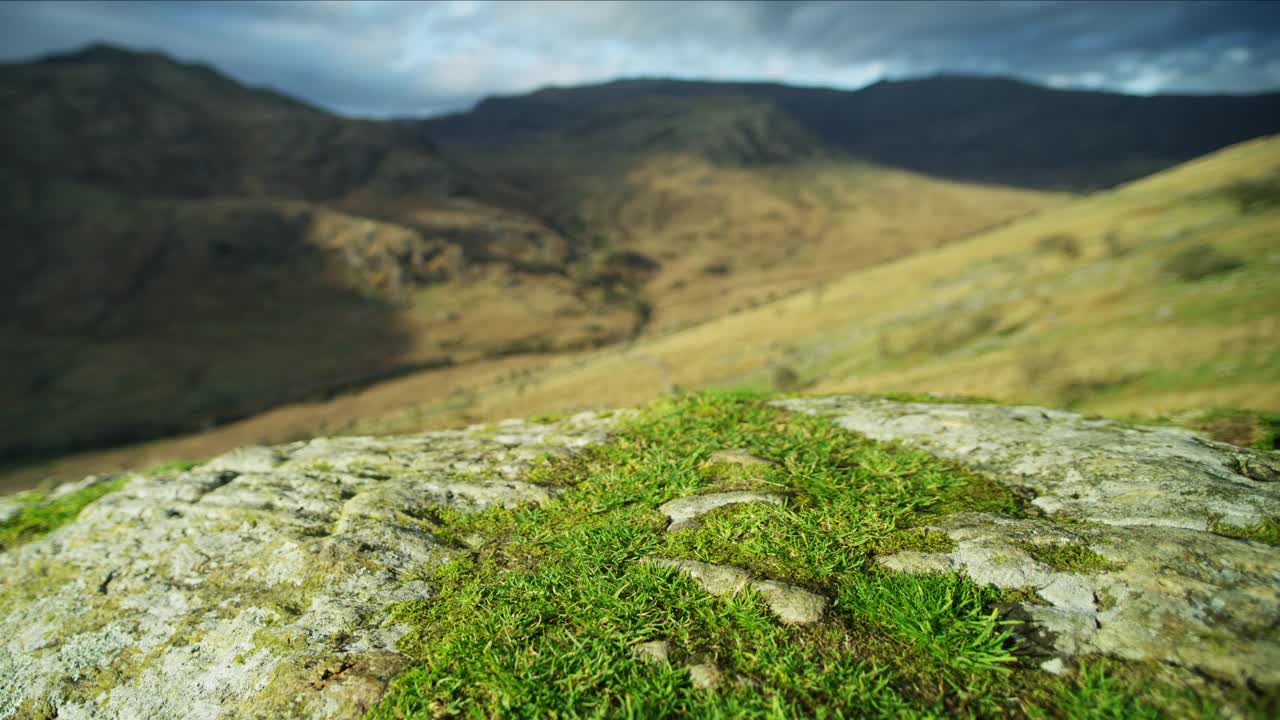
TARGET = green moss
x,y
547,418
1026,594
176,466
540,621
1077,558
40,514
935,398
1266,531
917,540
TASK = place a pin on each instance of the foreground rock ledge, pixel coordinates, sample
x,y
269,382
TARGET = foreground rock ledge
x,y
256,586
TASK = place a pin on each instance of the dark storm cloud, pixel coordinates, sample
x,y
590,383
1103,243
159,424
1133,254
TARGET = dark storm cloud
x,y
384,58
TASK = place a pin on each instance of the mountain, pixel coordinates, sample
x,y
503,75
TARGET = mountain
x,y
983,129
1154,300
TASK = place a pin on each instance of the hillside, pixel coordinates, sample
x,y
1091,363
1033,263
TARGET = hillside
x,y
1155,298
192,251
1109,304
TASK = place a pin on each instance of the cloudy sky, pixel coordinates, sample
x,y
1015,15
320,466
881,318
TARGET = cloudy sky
x,y
365,57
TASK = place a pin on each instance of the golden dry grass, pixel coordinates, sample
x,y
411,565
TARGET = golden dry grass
x,y
999,315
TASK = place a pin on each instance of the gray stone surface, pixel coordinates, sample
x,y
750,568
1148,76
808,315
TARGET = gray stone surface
x,y
684,512
1175,596
704,676
255,586
791,604
652,651
1141,498
1089,469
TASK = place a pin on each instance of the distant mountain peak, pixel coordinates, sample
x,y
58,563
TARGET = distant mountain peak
x,y
104,54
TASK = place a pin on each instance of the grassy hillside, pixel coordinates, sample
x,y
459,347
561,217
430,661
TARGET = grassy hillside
x,y
1157,299
700,206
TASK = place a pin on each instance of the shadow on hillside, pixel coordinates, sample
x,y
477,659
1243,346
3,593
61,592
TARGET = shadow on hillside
x,y
125,319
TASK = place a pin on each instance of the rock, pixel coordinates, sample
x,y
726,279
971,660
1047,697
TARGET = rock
x,y
1054,666
683,512
1174,595
245,460
652,651
1142,499
255,586
790,603
737,456
704,676
1089,469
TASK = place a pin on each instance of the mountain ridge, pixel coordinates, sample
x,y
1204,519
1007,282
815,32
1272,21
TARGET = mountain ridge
x,y
893,122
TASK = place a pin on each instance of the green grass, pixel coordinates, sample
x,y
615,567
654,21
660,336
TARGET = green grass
x,y
1097,694
540,622
40,514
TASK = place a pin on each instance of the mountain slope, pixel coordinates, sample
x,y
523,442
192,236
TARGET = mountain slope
x,y
1157,297
183,250
724,200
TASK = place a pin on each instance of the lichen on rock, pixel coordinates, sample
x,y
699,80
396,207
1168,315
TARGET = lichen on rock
x,y
255,586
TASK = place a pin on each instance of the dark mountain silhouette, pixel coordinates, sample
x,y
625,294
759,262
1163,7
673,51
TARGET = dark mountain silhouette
x,y
968,128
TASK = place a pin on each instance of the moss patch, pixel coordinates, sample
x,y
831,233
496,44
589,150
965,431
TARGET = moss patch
x,y
916,539
1267,531
176,466
541,621
1026,594
1077,558
40,514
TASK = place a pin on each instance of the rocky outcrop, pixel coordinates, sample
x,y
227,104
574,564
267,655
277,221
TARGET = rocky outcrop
x,y
258,585
1129,511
